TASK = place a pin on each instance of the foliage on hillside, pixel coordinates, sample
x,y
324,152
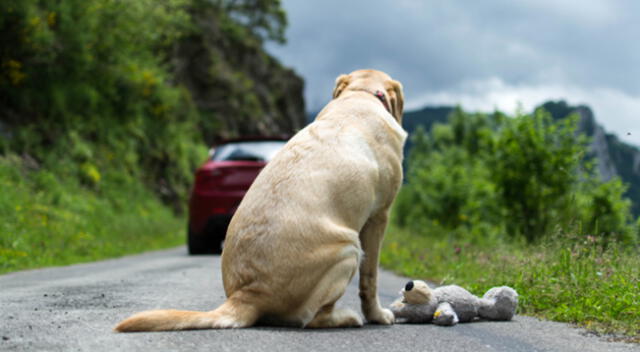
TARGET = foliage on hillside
x,y
612,156
105,83
107,104
513,178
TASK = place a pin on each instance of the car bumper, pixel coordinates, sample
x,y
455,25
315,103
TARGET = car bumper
x,y
215,227
209,209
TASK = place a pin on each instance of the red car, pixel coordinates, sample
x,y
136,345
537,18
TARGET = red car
x,y
219,187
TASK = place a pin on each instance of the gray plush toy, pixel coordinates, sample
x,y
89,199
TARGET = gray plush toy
x,y
448,305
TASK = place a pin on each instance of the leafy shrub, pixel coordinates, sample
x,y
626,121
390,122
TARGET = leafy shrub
x,y
496,176
98,116
91,77
102,79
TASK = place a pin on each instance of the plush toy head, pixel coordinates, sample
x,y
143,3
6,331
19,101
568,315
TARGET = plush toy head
x,y
416,292
450,304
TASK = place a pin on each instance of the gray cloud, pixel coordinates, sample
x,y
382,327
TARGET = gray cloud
x,y
583,51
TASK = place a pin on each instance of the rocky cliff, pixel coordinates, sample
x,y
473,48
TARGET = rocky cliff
x,y
615,158
233,80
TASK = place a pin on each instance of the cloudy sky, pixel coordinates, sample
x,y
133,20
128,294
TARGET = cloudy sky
x,y
480,54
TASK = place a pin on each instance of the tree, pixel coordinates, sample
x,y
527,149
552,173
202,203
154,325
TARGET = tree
x,y
524,176
265,18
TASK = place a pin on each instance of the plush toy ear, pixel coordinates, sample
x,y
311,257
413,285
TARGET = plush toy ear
x,y
396,99
341,83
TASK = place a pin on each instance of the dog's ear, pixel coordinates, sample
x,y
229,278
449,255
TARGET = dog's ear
x,y
341,83
396,99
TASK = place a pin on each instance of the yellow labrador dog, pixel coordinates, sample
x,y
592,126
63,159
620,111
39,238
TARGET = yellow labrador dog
x,y
315,214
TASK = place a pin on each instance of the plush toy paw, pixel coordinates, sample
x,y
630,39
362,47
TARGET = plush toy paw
x,y
396,305
445,315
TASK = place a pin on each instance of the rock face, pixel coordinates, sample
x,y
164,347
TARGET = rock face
x,y
599,144
615,158
233,80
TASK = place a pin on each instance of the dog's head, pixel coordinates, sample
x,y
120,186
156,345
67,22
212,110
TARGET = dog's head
x,y
373,81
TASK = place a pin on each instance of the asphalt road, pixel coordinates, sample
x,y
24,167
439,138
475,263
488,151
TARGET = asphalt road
x,y
74,308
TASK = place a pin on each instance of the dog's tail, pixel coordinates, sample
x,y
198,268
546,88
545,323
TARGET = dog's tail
x,y
229,315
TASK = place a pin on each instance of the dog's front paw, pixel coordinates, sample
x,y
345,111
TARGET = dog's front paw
x,y
381,316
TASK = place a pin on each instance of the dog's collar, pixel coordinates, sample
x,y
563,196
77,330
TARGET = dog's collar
x,y
378,94
383,99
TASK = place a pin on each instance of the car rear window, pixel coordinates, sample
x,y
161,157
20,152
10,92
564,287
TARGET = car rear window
x,y
247,151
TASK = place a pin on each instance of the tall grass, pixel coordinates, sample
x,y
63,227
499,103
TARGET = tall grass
x,y
569,279
52,218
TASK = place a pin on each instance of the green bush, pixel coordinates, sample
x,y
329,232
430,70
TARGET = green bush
x,y
100,115
88,81
493,176
104,80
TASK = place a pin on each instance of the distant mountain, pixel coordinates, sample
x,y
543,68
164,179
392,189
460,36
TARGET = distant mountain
x,y
615,158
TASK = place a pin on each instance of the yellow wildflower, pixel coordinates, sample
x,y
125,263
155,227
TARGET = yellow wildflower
x,y
51,19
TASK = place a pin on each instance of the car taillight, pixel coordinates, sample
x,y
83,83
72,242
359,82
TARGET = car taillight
x,y
209,179
217,210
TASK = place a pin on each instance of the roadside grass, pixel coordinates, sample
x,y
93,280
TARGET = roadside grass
x,y
72,215
583,281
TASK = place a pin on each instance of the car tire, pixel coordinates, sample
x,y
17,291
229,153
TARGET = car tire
x,y
202,243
